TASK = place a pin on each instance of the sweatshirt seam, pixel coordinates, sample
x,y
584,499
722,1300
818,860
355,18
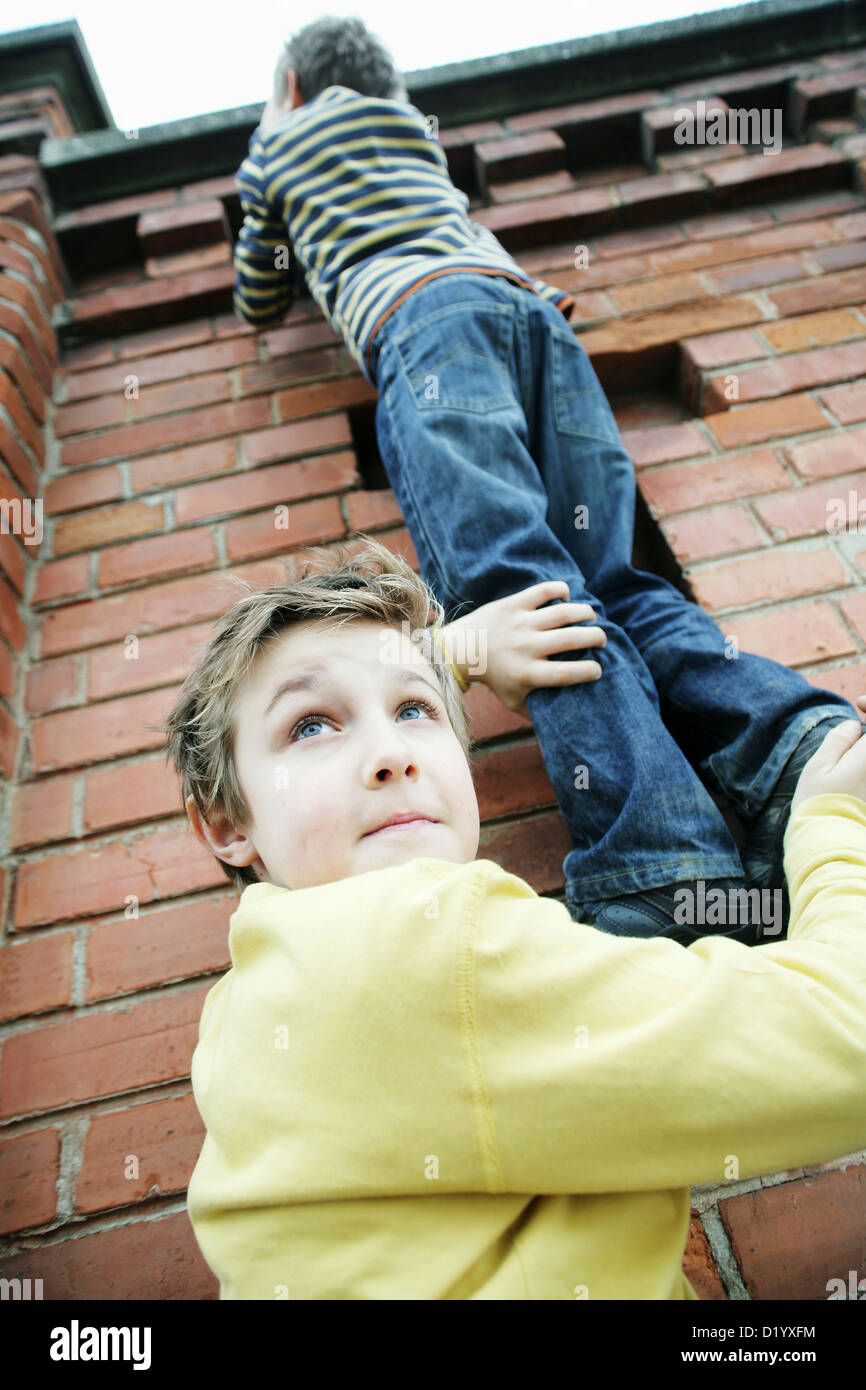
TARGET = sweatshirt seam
x,y
482,1114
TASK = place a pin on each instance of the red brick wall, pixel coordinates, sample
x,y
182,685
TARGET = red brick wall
x,y
167,441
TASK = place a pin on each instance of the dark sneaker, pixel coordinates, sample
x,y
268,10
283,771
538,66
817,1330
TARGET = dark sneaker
x,y
763,852
661,912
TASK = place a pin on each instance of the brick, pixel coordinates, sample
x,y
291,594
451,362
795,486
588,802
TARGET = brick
x,y
836,453
324,395
36,975
824,292
15,363
42,811
847,403
130,794
12,626
180,395
847,681
751,424
813,330
51,685
114,209
621,107
137,305
534,850
811,510
29,1171
84,489
671,195
545,185
512,779
702,535
644,239
89,415
686,486
720,349
295,338
854,608
727,223
77,626
163,944
160,367
85,882
180,465
165,1136
604,273
27,428
176,553
171,431
15,323
651,408
158,1259
84,530
812,97
70,738
795,372
652,294
796,169
279,483
368,510
61,579
10,738
100,1054
288,371
163,658
793,636
309,523
664,443
178,228
840,257
757,274
811,1231
165,338
536,152
288,441
17,460
770,578
23,296
753,245
546,219
637,350
698,1263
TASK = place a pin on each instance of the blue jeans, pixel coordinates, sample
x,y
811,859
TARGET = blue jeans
x,y
495,434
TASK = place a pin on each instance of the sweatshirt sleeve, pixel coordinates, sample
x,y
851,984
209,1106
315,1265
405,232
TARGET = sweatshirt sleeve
x,y
266,271
604,1064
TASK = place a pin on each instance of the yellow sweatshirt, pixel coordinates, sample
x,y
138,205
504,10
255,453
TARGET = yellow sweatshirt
x,y
428,1082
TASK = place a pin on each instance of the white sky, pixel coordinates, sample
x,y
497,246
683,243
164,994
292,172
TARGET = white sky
x,y
163,60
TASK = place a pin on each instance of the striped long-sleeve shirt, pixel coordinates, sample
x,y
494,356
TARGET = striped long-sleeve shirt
x,y
352,193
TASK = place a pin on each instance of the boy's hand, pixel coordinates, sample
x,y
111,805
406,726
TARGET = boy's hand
x,y
505,643
839,764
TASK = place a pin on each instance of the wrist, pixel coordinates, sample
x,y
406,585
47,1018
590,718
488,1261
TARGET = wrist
x,y
447,647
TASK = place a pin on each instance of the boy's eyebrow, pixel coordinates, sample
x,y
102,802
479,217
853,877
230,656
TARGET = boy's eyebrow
x,y
311,680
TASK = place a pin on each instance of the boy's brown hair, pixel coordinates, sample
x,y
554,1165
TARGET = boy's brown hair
x,y
374,584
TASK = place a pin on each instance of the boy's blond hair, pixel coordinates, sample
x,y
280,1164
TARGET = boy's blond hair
x,y
375,585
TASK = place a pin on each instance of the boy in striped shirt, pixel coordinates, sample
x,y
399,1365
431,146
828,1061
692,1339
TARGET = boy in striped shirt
x,y
507,464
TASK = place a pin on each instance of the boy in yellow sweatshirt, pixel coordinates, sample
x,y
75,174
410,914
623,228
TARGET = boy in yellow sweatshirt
x,y
421,1080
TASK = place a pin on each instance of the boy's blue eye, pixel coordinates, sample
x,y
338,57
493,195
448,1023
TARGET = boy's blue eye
x,y
310,720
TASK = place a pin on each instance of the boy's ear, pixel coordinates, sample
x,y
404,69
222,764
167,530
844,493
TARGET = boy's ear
x,y
290,96
221,838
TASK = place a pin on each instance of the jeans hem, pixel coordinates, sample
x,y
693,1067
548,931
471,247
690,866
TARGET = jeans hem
x,y
761,789
658,875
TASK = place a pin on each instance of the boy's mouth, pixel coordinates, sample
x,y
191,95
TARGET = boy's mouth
x,y
408,821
